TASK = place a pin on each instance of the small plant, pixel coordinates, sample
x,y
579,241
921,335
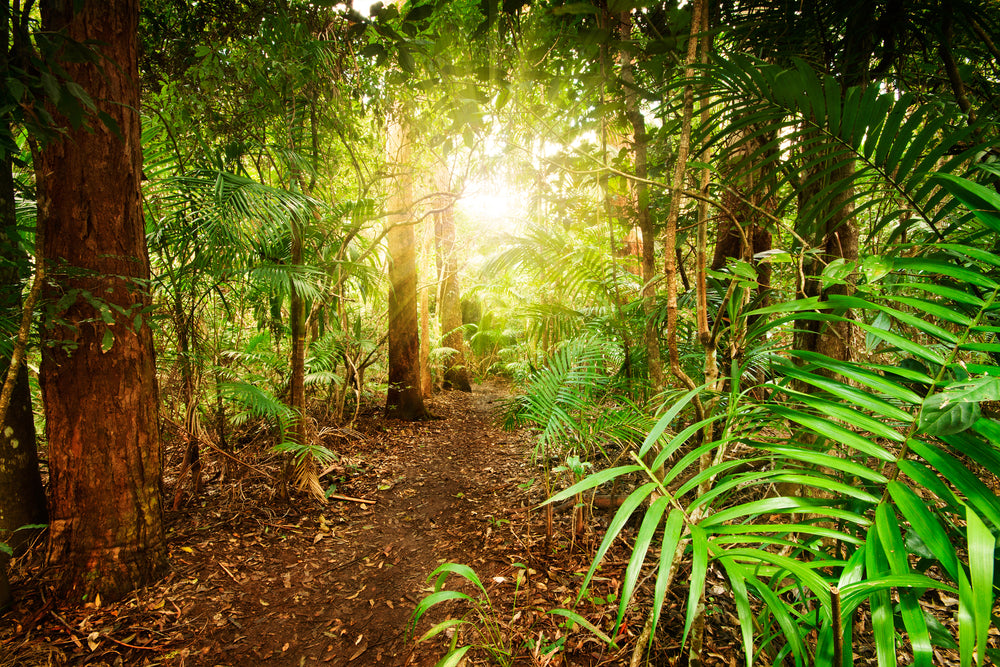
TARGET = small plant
x,y
481,617
484,620
7,550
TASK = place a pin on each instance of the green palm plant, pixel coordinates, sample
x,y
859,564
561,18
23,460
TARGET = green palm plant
x,y
893,466
848,474
582,281
892,143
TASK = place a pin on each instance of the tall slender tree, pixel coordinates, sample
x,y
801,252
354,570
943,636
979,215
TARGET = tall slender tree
x,y
640,192
22,498
456,374
98,372
404,399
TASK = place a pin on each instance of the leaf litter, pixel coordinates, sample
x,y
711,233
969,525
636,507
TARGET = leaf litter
x,y
257,581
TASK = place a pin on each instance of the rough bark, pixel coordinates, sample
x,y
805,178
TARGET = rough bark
x,y
456,374
105,457
743,230
404,399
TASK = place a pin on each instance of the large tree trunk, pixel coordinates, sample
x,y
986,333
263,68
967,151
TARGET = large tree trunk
x,y
404,399
456,374
98,374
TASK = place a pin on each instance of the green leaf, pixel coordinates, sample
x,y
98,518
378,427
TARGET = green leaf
x,y
580,620
629,506
433,599
966,621
650,523
108,340
453,658
51,86
779,610
819,459
442,627
737,580
444,569
374,50
878,598
983,202
77,91
977,494
834,432
882,322
941,414
851,395
861,375
419,13
406,62
982,549
671,539
926,525
913,616
696,584
591,481
663,422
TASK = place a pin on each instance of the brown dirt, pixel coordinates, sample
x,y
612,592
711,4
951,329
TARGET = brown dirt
x,y
259,582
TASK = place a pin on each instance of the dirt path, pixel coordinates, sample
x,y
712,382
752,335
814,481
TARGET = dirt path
x,y
255,583
338,586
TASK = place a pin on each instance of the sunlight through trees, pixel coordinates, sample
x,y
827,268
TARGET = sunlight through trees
x,y
735,263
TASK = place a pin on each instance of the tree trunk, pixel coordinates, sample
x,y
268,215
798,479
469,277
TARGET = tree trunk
x,y
22,498
456,373
673,213
743,230
98,374
838,239
426,382
297,382
644,220
404,399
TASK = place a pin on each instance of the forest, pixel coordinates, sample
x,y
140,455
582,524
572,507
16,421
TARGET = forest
x,y
515,332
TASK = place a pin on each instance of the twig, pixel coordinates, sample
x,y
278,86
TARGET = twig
x,y
27,310
231,575
75,631
349,499
838,630
212,445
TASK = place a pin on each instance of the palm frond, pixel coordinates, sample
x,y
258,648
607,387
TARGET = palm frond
x,y
892,144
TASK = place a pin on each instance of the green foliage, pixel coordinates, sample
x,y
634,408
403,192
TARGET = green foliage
x,y
858,482
883,137
481,619
569,404
5,548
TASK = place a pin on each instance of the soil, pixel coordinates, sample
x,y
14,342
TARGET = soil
x,y
258,581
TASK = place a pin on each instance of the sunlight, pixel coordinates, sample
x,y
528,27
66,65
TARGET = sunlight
x,y
492,204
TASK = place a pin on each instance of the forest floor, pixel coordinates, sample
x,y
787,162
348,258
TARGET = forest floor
x,y
258,581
